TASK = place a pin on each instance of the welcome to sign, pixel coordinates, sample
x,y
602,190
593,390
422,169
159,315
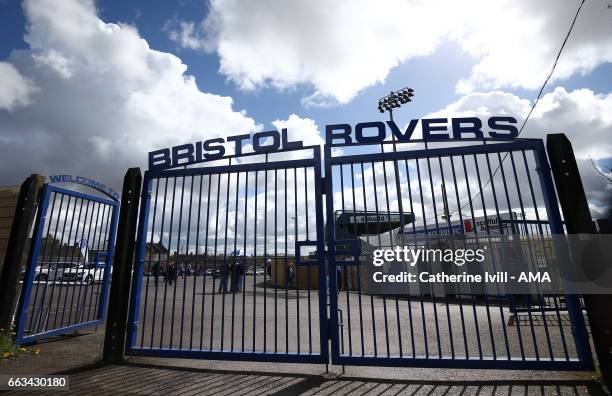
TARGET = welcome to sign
x,y
85,181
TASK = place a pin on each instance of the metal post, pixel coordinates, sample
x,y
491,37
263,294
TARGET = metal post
x,y
114,340
397,180
578,220
22,222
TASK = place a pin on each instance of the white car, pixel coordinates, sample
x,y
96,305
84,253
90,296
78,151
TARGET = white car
x,y
47,271
259,271
84,273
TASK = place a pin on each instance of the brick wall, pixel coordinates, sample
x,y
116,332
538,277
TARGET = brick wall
x,y
8,201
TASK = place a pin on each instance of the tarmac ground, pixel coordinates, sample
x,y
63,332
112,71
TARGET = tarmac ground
x,y
78,355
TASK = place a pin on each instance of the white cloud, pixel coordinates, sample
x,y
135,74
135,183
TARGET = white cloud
x,y
300,129
343,47
304,130
339,47
585,117
186,34
515,42
104,98
15,90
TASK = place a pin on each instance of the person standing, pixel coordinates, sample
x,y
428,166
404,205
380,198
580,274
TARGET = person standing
x,y
237,272
156,272
223,283
290,275
171,274
269,267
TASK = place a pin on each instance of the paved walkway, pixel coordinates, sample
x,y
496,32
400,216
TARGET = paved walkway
x,y
136,378
76,357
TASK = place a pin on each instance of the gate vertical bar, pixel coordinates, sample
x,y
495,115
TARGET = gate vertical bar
x,y
136,282
323,316
109,261
24,300
330,333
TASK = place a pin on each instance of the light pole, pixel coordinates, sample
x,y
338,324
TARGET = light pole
x,y
388,103
395,100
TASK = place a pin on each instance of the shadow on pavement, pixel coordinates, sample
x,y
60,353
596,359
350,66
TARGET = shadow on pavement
x,y
62,337
143,378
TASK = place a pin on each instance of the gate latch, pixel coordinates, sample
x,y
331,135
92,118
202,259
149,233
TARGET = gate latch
x,y
351,247
298,255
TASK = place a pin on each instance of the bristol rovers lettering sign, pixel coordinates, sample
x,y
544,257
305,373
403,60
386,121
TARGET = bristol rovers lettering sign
x,y
433,129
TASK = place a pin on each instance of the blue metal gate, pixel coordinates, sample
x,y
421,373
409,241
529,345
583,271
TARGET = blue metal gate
x,y
66,281
485,188
230,261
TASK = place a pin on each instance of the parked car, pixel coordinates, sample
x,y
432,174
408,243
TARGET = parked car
x,y
258,271
46,271
214,273
84,273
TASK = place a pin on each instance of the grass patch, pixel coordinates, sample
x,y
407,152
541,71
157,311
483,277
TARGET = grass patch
x,y
8,348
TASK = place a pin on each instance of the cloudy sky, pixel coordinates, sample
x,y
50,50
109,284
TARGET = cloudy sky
x,y
90,87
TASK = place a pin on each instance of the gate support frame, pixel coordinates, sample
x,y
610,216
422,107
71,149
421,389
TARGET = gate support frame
x,y
578,220
25,212
116,322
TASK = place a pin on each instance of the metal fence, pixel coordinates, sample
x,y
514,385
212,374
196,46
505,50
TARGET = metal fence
x,y
228,261
472,194
231,260
66,282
